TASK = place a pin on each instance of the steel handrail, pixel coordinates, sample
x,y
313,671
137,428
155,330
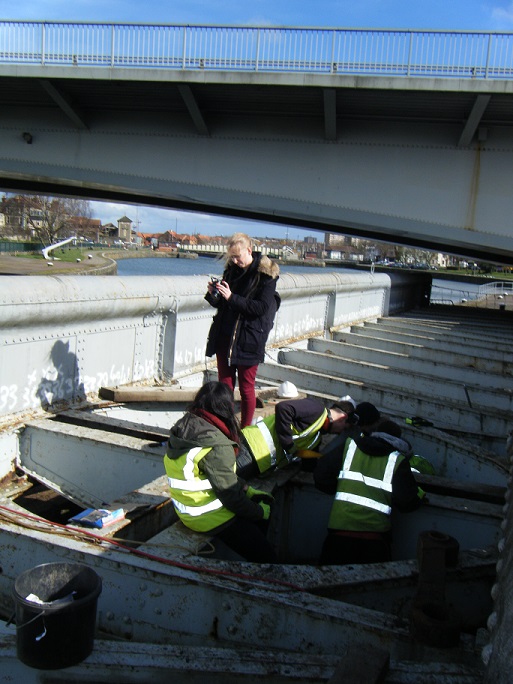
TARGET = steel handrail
x,y
407,53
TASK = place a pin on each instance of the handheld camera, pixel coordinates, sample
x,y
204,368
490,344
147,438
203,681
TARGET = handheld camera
x,y
214,294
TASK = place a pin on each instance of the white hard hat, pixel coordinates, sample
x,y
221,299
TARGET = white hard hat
x,y
287,390
348,399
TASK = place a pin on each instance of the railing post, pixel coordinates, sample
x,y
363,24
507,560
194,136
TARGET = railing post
x,y
112,45
488,54
410,49
257,54
43,43
184,46
332,60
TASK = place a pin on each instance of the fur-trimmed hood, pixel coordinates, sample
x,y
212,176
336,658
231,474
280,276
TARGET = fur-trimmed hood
x,y
268,267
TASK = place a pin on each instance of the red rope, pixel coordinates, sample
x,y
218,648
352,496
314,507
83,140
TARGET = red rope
x,y
159,559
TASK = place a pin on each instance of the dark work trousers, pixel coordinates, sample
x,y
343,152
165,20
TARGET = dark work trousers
x,y
249,540
343,549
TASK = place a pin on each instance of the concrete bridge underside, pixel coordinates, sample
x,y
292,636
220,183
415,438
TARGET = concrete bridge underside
x,y
421,162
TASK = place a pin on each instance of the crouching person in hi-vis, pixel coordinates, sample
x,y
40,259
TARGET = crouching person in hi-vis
x,y
373,476
207,494
294,431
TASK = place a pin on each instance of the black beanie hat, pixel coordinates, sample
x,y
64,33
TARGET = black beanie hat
x,y
367,413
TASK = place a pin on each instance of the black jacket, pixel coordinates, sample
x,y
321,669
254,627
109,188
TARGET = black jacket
x,y
300,413
246,319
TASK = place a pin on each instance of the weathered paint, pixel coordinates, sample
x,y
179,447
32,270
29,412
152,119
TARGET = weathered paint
x,y
202,607
65,337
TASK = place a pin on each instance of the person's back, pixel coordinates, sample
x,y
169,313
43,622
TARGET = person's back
x,y
374,476
294,432
207,494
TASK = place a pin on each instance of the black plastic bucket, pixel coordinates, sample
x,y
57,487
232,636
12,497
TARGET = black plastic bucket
x,y
60,631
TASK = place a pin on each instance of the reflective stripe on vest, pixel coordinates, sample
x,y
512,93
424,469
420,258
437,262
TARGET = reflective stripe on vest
x,y
268,439
191,483
386,483
360,498
300,439
363,501
264,445
195,511
193,498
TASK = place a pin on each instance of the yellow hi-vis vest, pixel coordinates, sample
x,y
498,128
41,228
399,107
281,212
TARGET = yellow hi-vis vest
x,y
265,446
363,502
194,499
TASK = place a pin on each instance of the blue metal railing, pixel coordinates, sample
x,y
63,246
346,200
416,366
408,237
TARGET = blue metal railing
x,y
448,54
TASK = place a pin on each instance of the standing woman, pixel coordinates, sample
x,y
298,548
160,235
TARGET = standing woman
x,y
246,302
207,494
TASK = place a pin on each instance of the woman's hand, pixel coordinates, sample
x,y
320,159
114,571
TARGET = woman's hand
x,y
224,289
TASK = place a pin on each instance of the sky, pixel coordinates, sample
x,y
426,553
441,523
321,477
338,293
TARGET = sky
x,y
458,15
484,15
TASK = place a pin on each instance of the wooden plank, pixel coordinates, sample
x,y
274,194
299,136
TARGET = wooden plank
x,y
161,394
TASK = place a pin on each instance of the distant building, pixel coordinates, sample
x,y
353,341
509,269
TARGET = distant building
x,y
109,230
336,240
125,229
85,227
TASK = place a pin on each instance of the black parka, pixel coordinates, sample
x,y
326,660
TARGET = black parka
x,y
246,319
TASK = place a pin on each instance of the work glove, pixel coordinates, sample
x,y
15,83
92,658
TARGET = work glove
x,y
421,494
258,494
417,421
307,453
418,464
266,509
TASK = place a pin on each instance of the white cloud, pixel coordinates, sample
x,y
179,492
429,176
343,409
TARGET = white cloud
x,y
455,14
503,15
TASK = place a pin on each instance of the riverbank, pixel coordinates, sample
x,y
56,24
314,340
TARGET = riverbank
x,y
95,263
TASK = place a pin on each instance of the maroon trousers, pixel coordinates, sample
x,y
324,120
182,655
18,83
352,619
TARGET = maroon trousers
x,y
246,376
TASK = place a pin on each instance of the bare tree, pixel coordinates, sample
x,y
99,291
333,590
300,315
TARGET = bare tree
x,y
55,218
81,222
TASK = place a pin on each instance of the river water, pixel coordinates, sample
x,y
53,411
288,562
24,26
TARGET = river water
x,y
445,290
192,267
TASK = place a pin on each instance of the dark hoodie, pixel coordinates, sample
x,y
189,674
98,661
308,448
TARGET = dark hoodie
x,y
218,465
246,319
